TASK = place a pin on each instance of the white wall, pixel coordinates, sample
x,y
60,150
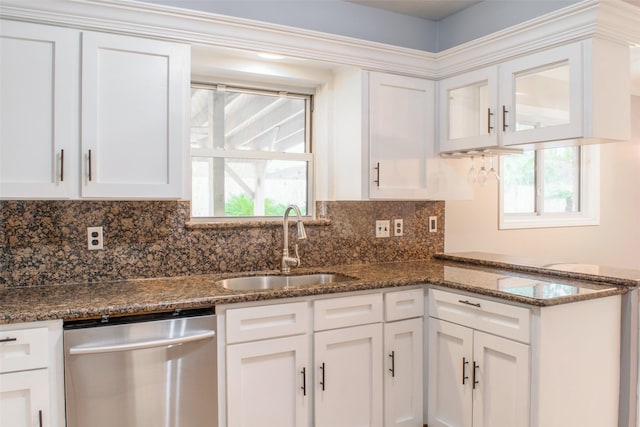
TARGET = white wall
x,y
473,225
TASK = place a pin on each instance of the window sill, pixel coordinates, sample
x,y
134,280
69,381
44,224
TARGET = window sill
x,y
217,225
539,222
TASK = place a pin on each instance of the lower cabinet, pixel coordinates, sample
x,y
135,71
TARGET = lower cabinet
x,y
477,379
31,385
338,364
268,383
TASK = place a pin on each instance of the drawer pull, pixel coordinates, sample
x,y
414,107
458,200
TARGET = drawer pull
x,y
304,381
393,364
467,302
465,362
8,339
475,367
322,381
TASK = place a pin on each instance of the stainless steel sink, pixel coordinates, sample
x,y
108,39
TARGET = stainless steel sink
x,y
249,283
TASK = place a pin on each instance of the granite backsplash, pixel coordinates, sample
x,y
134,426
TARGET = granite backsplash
x,y
45,242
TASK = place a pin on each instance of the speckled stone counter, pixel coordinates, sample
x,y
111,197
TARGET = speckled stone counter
x,y
571,270
164,294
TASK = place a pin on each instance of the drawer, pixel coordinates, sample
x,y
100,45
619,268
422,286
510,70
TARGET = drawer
x,y
23,349
268,321
493,317
403,304
347,311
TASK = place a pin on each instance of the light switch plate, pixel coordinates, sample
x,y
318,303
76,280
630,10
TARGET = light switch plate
x,y
383,228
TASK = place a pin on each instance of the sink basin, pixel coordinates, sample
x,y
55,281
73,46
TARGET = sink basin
x,y
248,283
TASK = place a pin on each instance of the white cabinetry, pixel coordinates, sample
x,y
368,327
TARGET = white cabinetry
x,y
403,351
31,387
268,378
347,360
501,365
38,78
401,135
355,370
477,379
132,114
579,91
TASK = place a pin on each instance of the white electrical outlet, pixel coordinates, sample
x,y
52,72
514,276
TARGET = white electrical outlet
x,y
433,224
94,238
383,228
398,227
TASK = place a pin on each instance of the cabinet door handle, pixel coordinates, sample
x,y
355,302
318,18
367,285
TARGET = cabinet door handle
x,y
475,367
377,180
304,381
89,165
467,302
393,364
8,339
465,362
40,418
322,381
504,118
62,165
489,127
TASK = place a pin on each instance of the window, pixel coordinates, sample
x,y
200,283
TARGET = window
x,y
556,187
250,152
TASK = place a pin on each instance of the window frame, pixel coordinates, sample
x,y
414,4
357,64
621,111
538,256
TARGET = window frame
x,y
589,197
307,156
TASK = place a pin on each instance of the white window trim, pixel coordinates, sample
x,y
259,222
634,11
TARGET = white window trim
x,y
308,156
589,200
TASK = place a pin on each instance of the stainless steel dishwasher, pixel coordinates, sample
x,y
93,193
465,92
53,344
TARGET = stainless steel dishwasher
x,y
154,370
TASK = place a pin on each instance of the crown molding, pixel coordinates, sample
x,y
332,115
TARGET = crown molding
x,y
611,19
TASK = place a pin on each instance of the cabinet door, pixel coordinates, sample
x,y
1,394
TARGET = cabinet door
x,y
469,110
541,96
24,399
38,74
348,377
401,135
134,98
450,374
501,395
403,373
269,383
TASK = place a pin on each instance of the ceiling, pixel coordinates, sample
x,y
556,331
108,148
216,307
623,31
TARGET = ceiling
x,y
433,10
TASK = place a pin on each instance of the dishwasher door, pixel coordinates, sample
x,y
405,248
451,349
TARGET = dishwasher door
x,y
142,372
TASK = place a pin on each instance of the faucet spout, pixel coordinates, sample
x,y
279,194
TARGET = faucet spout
x,y
288,261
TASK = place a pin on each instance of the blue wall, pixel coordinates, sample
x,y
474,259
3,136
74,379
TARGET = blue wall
x,y
367,23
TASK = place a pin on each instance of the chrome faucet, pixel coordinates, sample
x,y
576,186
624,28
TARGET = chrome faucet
x,y
288,261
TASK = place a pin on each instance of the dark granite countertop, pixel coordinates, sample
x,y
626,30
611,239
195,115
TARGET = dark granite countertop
x,y
571,270
23,304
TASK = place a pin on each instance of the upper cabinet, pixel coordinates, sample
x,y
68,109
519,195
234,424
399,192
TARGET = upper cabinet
x,y
38,144
578,92
131,114
401,135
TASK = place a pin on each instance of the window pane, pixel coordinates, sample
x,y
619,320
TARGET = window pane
x,y
247,121
247,187
562,180
518,175
468,109
543,97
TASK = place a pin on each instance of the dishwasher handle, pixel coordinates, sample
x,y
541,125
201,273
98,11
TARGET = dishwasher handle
x,y
140,345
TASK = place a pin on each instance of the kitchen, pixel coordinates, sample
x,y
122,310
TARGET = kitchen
x,y
46,241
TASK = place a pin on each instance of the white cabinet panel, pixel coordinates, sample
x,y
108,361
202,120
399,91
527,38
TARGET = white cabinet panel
x,y
403,377
269,321
24,399
403,304
24,349
38,76
502,393
348,377
450,364
133,94
269,383
401,135
347,311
